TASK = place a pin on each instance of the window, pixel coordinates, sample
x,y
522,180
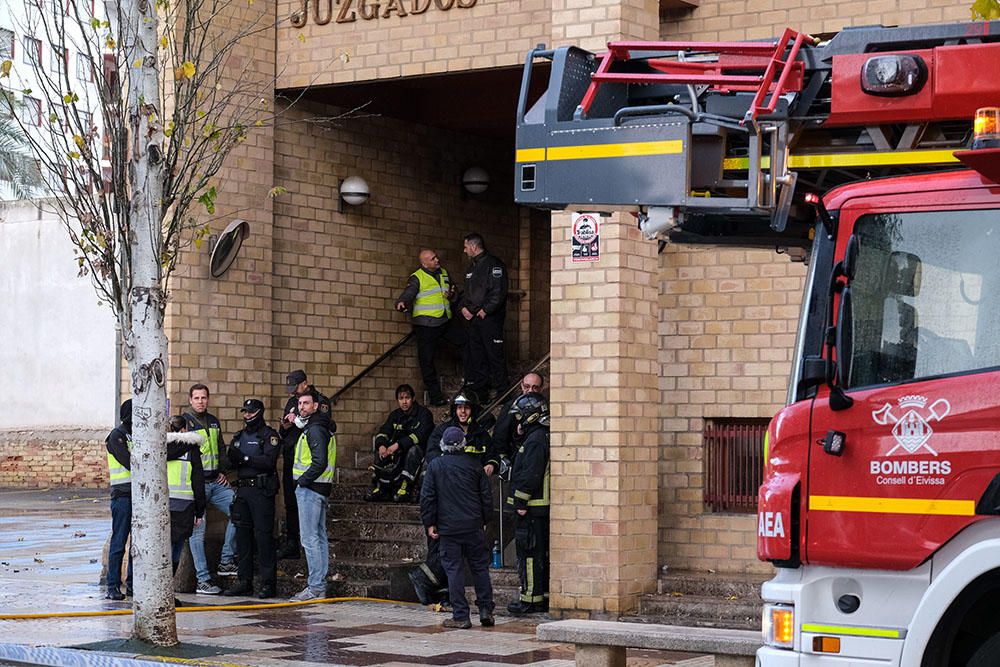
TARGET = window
x,y
734,463
925,303
59,111
84,72
32,51
6,44
31,111
86,121
58,61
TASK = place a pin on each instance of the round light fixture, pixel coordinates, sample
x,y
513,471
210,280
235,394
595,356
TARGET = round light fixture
x,y
354,191
475,180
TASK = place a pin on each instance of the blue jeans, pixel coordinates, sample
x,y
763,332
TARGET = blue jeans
x,y
222,498
312,533
121,527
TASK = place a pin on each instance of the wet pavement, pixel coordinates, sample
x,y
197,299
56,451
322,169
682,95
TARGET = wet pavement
x,y
51,545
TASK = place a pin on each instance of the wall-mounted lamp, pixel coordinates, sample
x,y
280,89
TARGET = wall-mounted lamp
x,y
475,180
226,246
353,191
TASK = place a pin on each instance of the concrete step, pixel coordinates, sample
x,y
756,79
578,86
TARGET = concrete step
x,y
700,611
689,582
362,511
353,550
376,531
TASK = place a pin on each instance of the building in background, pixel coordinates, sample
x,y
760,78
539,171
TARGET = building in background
x,y
661,362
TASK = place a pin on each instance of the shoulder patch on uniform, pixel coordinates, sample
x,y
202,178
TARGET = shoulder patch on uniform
x,y
274,441
323,407
497,272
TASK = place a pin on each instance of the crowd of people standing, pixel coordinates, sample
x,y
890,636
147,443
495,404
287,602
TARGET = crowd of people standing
x,y
447,467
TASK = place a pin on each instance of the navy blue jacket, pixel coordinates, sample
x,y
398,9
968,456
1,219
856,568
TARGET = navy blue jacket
x,y
456,495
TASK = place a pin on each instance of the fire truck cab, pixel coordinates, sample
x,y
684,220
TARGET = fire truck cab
x,y
877,152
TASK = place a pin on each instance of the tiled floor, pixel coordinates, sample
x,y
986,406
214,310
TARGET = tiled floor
x,y
51,546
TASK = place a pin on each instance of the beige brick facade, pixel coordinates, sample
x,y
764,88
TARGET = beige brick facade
x,y
36,460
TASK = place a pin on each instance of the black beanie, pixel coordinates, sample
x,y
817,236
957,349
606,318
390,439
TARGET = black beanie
x,y
125,412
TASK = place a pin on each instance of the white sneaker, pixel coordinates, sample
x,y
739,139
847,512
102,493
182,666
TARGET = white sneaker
x,y
304,595
207,588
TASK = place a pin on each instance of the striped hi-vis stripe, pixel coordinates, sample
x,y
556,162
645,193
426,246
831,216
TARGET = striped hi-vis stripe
x,y
877,505
853,631
597,151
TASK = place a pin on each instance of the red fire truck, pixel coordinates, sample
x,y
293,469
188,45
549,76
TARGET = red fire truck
x,y
874,155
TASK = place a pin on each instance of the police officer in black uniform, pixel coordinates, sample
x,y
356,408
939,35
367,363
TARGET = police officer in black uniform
x,y
484,306
253,453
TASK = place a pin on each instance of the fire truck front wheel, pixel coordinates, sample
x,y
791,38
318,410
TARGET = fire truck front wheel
x,y
988,654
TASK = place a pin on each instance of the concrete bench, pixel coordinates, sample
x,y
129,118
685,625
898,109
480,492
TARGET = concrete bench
x,y
603,643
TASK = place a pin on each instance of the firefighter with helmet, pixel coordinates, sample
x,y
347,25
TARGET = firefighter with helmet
x,y
529,499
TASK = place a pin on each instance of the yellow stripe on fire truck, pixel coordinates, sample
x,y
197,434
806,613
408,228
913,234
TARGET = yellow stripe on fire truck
x,y
893,505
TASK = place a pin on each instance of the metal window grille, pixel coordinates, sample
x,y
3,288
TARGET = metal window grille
x,y
734,463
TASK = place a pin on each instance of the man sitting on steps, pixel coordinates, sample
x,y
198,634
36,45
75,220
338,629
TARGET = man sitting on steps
x,y
399,448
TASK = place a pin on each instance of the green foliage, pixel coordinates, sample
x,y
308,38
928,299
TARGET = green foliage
x,y
987,10
17,169
207,198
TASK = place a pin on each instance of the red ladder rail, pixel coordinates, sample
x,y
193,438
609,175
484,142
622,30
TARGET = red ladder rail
x,y
728,73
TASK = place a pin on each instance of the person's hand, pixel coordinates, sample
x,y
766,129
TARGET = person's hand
x,y
489,469
432,531
222,480
481,314
466,314
393,448
522,512
400,306
198,520
290,417
382,451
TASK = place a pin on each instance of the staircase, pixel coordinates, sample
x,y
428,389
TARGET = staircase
x,y
705,599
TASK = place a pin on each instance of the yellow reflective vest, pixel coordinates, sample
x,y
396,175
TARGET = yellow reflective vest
x,y
117,473
431,303
179,478
303,459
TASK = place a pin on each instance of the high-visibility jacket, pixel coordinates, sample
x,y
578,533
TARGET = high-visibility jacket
x,y
431,303
179,478
303,459
208,427
117,473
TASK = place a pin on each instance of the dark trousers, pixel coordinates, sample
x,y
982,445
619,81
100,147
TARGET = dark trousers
x,y
486,364
288,489
388,471
253,515
467,548
531,537
121,527
428,339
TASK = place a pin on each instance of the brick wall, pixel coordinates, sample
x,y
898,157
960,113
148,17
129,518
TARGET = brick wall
x,y
36,460
337,275
728,319
761,19
490,33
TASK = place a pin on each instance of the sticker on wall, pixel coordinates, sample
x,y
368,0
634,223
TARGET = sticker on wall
x,y
586,237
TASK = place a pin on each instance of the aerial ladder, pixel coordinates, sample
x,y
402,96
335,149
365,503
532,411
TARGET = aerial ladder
x,y
705,141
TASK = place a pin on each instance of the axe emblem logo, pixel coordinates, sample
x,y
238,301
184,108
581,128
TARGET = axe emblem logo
x,y
911,421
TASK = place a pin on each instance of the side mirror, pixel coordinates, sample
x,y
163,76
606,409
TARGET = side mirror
x,y
845,350
850,262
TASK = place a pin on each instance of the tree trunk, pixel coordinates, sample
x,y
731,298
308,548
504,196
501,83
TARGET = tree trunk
x,y
154,619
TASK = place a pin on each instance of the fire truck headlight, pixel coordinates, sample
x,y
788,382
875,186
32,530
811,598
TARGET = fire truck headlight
x,y
893,76
779,625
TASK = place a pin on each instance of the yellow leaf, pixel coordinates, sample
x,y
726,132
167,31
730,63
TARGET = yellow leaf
x,y
138,63
188,68
302,38
5,68
163,41
259,123
110,43
74,155
78,140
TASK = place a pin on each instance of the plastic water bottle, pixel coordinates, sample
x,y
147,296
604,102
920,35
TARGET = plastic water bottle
x,y
497,556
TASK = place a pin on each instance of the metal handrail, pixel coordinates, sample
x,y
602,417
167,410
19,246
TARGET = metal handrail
x,y
372,366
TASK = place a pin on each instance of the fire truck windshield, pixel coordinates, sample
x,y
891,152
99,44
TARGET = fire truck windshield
x,y
926,295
